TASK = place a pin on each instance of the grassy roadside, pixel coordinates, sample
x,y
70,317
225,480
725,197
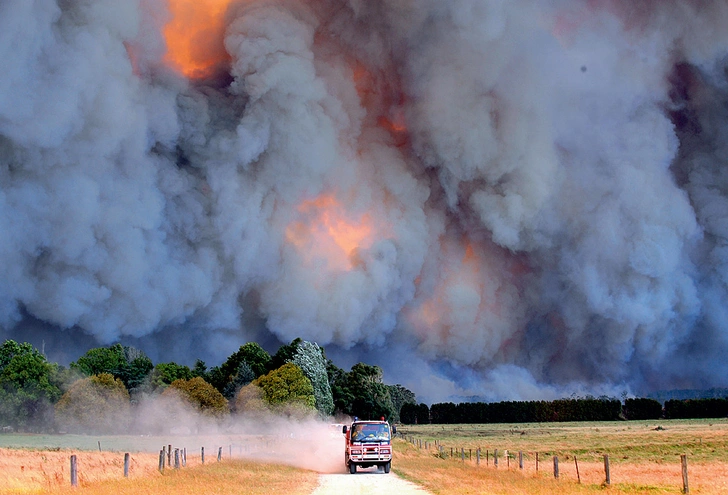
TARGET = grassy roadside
x,y
251,478
644,457
233,476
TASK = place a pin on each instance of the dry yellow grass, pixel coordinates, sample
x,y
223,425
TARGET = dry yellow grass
x,y
32,471
446,476
643,459
101,473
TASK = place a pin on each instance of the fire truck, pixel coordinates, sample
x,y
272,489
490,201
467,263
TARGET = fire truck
x,y
368,443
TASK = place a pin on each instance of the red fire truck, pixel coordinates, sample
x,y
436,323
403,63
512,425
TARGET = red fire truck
x,y
368,443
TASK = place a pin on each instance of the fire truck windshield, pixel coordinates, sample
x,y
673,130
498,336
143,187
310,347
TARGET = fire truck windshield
x,y
370,433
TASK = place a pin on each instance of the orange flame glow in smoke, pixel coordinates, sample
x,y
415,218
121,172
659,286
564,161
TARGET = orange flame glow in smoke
x,y
325,230
195,36
433,315
383,99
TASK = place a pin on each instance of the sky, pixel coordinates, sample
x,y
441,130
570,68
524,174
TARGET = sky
x,y
502,200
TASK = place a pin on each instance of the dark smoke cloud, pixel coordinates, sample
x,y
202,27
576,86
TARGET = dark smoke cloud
x,y
539,187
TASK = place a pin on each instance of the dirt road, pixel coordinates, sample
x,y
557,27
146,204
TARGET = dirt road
x,y
366,482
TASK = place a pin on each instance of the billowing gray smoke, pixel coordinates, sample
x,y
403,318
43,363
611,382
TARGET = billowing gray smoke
x,y
511,199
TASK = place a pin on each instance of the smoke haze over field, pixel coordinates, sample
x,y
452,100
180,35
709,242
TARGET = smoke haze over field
x,y
505,199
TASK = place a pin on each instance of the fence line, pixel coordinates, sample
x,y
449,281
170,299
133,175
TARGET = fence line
x,y
168,457
180,459
458,453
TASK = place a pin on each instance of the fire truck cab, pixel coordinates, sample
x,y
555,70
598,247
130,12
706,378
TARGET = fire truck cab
x,y
368,443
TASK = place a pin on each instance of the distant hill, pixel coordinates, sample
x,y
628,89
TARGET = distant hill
x,y
711,393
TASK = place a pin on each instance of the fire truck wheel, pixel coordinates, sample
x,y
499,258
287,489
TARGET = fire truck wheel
x,y
352,468
387,467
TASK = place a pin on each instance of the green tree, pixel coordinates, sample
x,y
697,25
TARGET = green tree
x,y
201,395
200,369
312,361
97,404
29,384
101,360
284,354
128,364
641,409
253,355
400,396
288,390
338,381
256,357
137,369
10,349
243,376
164,374
408,414
371,396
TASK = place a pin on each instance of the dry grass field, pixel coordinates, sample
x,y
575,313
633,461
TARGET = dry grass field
x,y
100,473
644,457
34,471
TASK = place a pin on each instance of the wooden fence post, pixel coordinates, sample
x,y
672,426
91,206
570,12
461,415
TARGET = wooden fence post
x,y
184,457
176,458
477,457
74,471
556,467
608,479
495,457
169,455
161,461
203,455
537,462
219,454
462,454
520,459
126,465
578,477
508,460
684,463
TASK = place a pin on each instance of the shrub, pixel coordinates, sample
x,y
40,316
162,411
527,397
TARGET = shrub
x,y
250,402
288,390
98,404
200,395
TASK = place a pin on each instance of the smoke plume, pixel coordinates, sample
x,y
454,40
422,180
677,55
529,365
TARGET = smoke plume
x,y
510,199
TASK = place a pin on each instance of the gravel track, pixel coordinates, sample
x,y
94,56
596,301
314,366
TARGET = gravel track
x,y
366,482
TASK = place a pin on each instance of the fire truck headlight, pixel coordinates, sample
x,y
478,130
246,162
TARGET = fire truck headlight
x,y
356,452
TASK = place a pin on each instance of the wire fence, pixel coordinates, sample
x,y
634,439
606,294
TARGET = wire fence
x,y
503,458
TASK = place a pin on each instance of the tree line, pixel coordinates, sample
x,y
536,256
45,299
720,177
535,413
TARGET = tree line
x,y
101,389
572,409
